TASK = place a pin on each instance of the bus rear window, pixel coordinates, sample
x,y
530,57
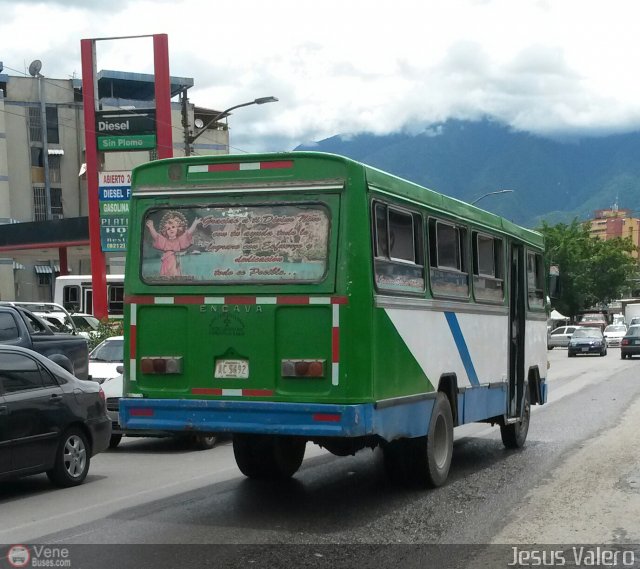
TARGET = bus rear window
x,y
218,245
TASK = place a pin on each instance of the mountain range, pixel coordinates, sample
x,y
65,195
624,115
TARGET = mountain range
x,y
555,180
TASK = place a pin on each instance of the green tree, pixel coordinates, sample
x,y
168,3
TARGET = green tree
x,y
592,271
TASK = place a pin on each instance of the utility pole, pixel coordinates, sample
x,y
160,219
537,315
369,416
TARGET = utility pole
x,y
185,120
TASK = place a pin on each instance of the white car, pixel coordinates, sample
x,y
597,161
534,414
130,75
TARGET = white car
x,y
113,388
614,334
105,360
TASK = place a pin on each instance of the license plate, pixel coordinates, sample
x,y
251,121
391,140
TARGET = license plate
x,y
585,349
232,369
636,342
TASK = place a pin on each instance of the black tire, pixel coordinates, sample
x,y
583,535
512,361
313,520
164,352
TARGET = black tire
x,y
424,461
203,441
73,457
514,435
434,462
623,356
114,441
571,355
268,457
550,347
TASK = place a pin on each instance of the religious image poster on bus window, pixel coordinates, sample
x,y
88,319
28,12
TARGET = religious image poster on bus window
x,y
258,244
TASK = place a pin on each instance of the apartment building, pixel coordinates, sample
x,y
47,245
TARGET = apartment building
x,y
44,227
615,222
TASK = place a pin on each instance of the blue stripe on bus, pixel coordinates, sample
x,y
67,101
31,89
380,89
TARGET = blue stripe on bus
x,y
454,326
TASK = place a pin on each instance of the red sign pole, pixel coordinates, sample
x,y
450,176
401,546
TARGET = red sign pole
x,y
163,95
98,262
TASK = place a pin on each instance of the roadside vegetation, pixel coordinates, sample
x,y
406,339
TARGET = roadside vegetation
x,y
592,271
106,329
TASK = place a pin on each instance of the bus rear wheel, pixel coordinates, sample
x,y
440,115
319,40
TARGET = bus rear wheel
x,y
268,457
424,461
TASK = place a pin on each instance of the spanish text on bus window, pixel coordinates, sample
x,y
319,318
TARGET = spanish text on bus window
x,y
256,244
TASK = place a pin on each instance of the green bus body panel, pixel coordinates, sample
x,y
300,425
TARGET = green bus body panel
x,y
374,362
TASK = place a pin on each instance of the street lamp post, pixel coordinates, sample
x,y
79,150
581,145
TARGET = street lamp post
x,y
491,194
226,112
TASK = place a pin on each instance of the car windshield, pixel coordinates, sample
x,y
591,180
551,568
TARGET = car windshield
x,y
586,333
108,351
615,328
86,323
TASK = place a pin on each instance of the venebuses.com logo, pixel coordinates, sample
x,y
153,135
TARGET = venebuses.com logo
x,y
20,556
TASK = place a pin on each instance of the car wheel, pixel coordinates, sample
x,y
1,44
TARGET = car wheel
x,y
571,354
203,441
623,356
72,460
550,347
114,441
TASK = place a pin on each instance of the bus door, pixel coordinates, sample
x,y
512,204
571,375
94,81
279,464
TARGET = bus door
x,y
517,295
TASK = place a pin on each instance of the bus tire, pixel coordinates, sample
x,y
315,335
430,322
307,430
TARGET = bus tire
x,y
514,435
268,457
436,449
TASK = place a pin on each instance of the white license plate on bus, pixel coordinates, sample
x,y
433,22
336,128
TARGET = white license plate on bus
x,y
232,369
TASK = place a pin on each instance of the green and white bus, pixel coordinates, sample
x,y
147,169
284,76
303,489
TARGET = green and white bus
x,y
305,297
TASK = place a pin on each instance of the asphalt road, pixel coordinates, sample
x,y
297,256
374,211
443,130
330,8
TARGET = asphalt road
x,y
152,491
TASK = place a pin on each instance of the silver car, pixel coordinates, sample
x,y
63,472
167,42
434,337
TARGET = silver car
x,y
559,338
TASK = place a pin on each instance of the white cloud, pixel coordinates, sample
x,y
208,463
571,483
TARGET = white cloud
x,y
554,67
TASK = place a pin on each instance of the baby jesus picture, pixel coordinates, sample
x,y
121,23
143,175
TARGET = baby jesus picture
x,y
173,236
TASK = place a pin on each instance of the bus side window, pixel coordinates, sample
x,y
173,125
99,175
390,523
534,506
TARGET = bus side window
x,y
398,251
488,268
448,259
535,280
116,299
71,298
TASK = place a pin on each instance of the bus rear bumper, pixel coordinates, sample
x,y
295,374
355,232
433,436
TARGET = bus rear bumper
x,y
276,418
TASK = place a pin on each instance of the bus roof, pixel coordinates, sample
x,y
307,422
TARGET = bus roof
x,y
147,175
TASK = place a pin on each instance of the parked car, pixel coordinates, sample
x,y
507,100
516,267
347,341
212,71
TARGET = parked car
x,y
113,389
559,338
634,321
587,341
105,360
50,421
630,344
614,334
86,324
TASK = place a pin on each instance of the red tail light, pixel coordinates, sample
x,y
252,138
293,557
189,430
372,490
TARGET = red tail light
x,y
161,365
302,368
102,395
624,342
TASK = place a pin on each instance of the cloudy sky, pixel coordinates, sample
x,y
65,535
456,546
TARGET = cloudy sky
x,y
552,67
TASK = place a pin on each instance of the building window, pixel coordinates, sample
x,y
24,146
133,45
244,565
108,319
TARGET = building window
x,y
54,169
40,203
35,125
